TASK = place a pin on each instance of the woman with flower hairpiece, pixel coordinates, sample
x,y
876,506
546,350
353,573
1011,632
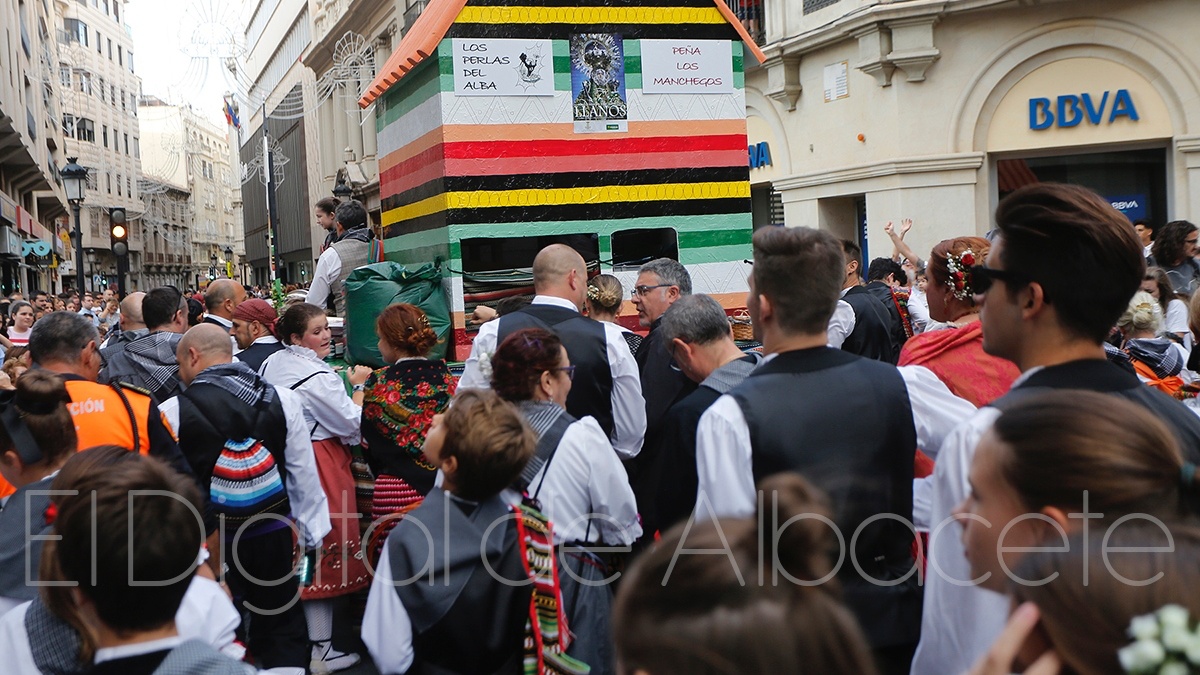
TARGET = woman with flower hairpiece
x,y
605,295
956,354
399,404
1096,616
1158,361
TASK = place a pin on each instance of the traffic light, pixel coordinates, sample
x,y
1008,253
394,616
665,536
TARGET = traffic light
x,y
118,231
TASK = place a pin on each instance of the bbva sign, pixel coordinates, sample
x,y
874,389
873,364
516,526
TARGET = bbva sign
x,y
1070,110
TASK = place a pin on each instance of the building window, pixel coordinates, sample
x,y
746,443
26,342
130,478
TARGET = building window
x,y
133,103
76,31
118,185
129,186
116,5
137,148
110,50
123,106
129,58
112,91
99,43
120,56
100,88
814,5
64,76
104,134
69,125
108,181
126,143
85,81
85,130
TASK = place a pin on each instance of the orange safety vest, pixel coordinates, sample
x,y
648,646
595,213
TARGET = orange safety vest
x,y
102,417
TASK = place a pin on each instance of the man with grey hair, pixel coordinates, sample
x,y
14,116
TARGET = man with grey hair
x,y
697,332
65,343
660,284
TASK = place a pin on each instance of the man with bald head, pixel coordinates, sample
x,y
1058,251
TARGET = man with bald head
x,y
133,326
226,416
606,384
221,298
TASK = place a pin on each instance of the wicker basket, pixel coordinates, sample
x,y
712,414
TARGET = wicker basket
x,y
743,327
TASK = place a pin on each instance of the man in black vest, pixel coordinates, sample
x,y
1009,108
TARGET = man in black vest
x,y
606,384
226,401
851,425
883,276
871,336
700,339
254,329
1060,272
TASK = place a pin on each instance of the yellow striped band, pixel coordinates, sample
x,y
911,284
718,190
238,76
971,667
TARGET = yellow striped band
x,y
590,15
482,199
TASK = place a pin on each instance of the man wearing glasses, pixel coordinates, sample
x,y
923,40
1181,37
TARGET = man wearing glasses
x,y
605,380
1060,272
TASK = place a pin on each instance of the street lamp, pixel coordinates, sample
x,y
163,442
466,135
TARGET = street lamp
x,y
212,269
229,261
75,181
342,191
91,258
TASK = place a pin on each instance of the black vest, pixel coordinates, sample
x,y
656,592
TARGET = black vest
x,y
255,354
887,298
587,347
846,424
871,336
1102,376
209,416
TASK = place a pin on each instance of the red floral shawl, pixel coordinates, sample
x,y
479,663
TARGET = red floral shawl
x,y
956,356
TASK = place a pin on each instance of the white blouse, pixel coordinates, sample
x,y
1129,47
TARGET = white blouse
x,y
329,412
586,481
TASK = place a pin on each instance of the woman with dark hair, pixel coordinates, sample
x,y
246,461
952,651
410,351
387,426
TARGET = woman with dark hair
x,y
1051,455
399,403
22,315
334,418
708,615
1101,612
37,437
956,354
1175,310
1174,251
577,478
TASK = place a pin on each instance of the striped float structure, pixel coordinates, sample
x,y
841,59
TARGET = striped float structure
x,y
456,168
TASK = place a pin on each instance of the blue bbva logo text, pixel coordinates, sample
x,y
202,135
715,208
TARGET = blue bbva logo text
x,y
1070,110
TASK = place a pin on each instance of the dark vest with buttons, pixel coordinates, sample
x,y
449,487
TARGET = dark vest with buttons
x,y
587,347
846,424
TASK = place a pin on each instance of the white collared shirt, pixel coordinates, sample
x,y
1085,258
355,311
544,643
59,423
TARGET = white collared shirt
x,y
586,482
326,403
309,504
841,324
329,268
628,406
723,453
228,326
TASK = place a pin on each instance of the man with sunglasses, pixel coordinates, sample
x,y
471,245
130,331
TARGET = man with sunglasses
x,y
1060,272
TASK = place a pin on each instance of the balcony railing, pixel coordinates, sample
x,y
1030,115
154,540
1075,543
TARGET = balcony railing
x,y
750,12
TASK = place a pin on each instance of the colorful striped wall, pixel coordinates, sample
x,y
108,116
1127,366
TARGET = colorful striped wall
x,y
460,167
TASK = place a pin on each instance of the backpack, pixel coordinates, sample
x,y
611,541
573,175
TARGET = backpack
x,y
246,483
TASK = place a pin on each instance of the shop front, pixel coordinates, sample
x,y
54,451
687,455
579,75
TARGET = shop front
x,y
999,98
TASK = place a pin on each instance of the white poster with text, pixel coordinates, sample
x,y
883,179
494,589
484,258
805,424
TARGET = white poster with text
x,y
687,67
498,67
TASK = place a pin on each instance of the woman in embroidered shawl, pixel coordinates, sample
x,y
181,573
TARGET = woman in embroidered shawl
x,y
334,418
577,479
956,354
399,403
451,592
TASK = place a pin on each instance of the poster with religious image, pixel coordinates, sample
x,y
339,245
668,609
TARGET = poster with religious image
x,y
598,100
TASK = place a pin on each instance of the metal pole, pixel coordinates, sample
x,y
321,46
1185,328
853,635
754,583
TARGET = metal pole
x,y
78,250
272,207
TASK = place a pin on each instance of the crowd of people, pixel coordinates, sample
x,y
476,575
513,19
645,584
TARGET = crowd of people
x,y
983,461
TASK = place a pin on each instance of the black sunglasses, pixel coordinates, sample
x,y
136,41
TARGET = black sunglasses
x,y
983,277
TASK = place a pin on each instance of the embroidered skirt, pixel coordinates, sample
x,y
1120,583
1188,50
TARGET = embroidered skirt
x,y
393,498
340,567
